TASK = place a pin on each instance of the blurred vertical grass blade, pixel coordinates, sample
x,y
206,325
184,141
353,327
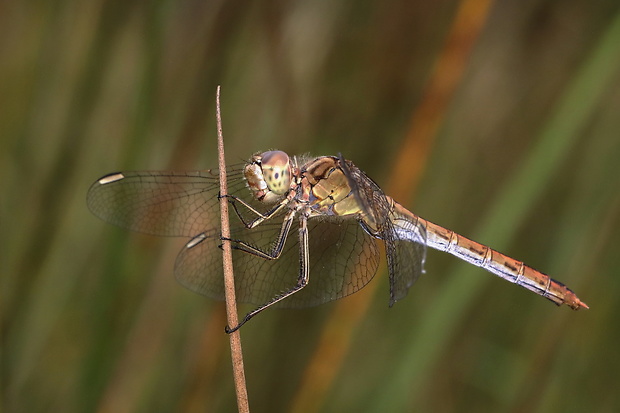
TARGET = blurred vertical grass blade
x,y
530,385
54,189
448,70
588,220
427,343
34,310
597,256
106,386
337,334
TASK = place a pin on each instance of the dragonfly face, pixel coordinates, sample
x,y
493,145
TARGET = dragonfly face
x,y
269,175
336,211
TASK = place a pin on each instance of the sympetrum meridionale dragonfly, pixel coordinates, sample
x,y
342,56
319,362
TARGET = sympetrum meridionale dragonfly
x,y
303,231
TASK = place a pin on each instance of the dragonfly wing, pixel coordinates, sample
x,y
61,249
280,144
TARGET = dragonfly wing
x,y
343,259
405,240
162,203
405,245
199,265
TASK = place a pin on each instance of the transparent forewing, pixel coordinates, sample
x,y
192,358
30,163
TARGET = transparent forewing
x,y
163,203
343,259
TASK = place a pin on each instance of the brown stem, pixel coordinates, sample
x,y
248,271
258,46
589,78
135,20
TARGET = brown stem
x,y
229,279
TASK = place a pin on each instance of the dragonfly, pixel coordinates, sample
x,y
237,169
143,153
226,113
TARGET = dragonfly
x,y
304,231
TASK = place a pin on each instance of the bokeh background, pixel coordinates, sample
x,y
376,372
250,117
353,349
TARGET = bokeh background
x,y
497,119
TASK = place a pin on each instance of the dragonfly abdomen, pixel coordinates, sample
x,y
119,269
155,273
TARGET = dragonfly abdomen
x,y
501,265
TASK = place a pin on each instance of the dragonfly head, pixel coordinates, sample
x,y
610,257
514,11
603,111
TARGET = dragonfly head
x,y
269,175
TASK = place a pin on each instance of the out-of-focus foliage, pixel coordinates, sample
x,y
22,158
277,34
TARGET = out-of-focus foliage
x,y
511,109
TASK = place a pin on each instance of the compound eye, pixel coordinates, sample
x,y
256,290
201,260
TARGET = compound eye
x,y
276,171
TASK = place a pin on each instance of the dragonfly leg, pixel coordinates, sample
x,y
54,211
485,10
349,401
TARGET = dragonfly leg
x,y
260,217
302,280
277,247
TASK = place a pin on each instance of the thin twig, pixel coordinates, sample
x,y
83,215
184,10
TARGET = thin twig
x,y
229,279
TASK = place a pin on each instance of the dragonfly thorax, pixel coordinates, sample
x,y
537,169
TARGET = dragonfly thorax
x,y
269,175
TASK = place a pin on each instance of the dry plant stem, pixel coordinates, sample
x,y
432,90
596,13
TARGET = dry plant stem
x,y
229,280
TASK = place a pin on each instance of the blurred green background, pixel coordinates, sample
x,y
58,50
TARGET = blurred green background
x,y
499,120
